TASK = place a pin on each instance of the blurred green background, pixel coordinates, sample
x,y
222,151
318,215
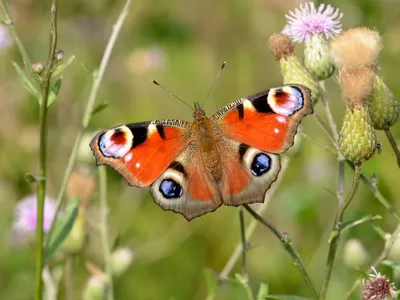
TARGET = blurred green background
x,y
182,44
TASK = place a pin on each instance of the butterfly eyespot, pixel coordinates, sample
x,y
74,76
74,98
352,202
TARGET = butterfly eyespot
x,y
261,164
170,189
116,142
286,100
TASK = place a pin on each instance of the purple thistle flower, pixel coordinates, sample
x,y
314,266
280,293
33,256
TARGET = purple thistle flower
x,y
25,214
308,20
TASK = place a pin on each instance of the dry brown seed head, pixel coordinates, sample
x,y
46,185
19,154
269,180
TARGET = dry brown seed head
x,y
281,46
357,85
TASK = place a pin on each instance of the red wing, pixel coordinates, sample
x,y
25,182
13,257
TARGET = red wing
x,y
267,120
141,152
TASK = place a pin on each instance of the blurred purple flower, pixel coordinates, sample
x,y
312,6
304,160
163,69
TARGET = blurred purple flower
x,y
308,20
5,38
25,214
146,59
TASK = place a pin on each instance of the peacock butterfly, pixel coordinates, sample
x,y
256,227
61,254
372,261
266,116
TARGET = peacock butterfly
x,y
230,158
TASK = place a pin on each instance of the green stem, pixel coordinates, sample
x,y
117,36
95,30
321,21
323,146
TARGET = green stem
x,y
336,231
41,188
378,261
104,230
244,243
69,277
90,105
223,275
286,243
393,143
10,24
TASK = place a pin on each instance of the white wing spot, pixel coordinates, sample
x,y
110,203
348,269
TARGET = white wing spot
x,y
276,130
128,157
137,165
281,119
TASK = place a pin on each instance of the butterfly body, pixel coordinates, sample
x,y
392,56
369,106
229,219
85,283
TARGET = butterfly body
x,y
230,158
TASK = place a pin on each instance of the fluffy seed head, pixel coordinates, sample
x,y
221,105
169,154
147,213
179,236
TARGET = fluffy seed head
x,y
281,46
356,47
357,85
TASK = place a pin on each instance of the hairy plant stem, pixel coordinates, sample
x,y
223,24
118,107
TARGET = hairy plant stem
x,y
104,231
69,277
393,143
334,243
97,79
287,245
41,187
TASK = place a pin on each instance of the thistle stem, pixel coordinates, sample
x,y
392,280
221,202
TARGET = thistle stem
x,y
393,143
90,104
41,187
336,231
244,243
286,243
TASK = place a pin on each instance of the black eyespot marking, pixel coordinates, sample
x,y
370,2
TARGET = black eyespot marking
x,y
242,150
160,130
177,166
279,92
139,135
240,110
261,104
261,164
170,189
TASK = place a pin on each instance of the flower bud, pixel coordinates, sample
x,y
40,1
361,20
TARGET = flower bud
x,y
37,67
59,55
95,288
355,256
385,108
317,57
76,239
121,260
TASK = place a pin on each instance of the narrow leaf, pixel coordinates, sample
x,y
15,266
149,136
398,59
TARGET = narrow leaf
x,y
263,291
62,228
353,223
211,281
62,66
99,107
33,178
29,85
55,89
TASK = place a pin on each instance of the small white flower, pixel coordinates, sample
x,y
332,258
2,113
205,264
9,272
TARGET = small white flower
x,y
309,20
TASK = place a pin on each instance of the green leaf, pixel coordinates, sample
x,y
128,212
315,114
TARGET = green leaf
x,y
211,281
29,85
55,89
32,178
62,66
62,228
263,291
287,297
99,107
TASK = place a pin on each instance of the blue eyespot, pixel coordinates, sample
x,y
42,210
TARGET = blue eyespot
x,y
261,164
170,189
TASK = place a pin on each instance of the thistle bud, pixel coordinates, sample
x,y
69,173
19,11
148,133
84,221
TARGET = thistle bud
x,y
357,139
121,260
292,69
38,67
317,58
95,288
385,108
354,254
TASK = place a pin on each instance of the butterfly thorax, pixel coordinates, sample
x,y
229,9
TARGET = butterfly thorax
x,y
205,137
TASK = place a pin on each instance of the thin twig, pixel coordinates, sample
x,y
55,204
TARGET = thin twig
x,y
393,143
104,230
378,261
287,245
90,104
244,243
336,231
223,275
41,187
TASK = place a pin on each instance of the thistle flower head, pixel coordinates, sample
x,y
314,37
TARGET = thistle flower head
x,y
357,85
309,20
26,214
378,287
5,38
356,47
281,46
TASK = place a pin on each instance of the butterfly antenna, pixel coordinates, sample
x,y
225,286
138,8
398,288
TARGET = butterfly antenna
x,y
213,84
172,94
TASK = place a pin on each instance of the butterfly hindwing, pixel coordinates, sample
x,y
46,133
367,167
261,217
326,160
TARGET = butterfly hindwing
x,y
267,120
141,151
